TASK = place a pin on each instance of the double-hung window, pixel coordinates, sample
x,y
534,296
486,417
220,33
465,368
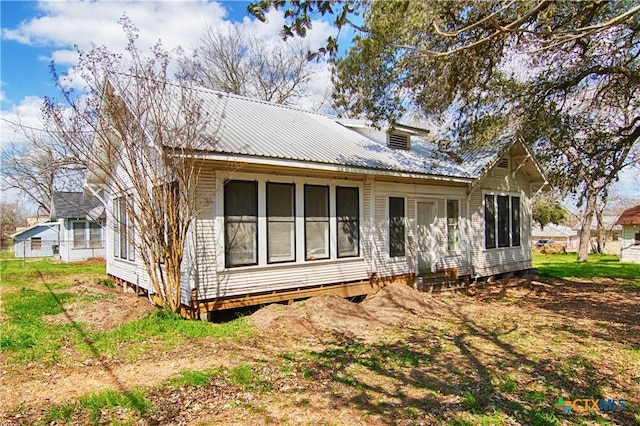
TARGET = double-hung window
x,y
347,212
396,227
453,232
36,243
501,221
123,235
79,240
316,221
281,225
241,223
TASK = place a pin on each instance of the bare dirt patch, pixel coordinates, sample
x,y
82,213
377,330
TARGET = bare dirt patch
x,y
100,307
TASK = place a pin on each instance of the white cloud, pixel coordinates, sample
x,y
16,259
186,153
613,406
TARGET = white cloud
x,y
26,114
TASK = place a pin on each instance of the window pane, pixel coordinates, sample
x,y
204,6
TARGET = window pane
x,y
281,241
79,235
122,208
130,229
280,222
316,202
241,223
95,235
348,238
347,210
396,227
637,239
279,201
317,240
503,221
241,242
489,222
36,243
316,216
515,221
240,199
452,224
116,229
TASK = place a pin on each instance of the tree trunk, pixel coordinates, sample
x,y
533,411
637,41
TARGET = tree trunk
x,y
585,230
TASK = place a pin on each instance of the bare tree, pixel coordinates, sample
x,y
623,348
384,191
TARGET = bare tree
x,y
38,167
139,135
11,217
235,62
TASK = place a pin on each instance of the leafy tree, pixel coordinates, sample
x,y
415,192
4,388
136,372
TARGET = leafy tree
x,y
562,75
547,209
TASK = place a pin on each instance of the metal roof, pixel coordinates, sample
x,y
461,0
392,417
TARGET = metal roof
x,y
250,127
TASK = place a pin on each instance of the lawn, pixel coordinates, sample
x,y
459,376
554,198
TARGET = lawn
x,y
502,354
598,266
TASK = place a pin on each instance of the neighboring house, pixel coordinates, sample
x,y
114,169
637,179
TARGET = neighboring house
x,y
629,220
612,234
37,240
316,204
81,220
560,234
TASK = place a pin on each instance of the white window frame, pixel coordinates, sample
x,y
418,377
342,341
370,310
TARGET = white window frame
x,y
388,218
456,230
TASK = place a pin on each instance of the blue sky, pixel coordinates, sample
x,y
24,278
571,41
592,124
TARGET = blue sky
x,y
34,33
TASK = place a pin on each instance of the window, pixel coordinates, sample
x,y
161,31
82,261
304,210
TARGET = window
x,y
501,221
281,240
241,223
489,221
316,221
637,239
123,235
396,227
453,211
347,212
36,243
95,235
79,240
515,221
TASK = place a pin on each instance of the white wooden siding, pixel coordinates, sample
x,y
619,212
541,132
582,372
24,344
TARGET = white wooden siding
x,y
629,251
499,260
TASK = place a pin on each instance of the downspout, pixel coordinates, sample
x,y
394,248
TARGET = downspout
x,y
469,230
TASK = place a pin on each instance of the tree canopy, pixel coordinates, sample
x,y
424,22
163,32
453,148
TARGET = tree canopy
x,y
563,76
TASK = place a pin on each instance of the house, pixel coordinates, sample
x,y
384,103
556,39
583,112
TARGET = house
x,y
74,231
81,223
612,232
560,234
314,204
629,220
38,240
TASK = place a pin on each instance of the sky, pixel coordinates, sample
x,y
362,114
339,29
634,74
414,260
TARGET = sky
x,y
36,32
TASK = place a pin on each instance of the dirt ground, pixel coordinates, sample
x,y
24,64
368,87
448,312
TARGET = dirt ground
x,y
327,360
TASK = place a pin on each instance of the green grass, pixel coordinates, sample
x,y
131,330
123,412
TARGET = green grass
x,y
598,266
16,273
193,378
28,295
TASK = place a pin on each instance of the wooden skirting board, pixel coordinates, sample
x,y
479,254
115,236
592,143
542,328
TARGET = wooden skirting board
x,y
350,289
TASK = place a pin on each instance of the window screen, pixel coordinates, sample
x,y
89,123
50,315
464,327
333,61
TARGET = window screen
x,y
316,218
347,212
489,221
515,221
79,235
280,222
503,221
396,227
241,223
453,211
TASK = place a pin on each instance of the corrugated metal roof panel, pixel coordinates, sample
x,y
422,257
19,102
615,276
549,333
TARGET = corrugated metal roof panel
x,y
256,128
